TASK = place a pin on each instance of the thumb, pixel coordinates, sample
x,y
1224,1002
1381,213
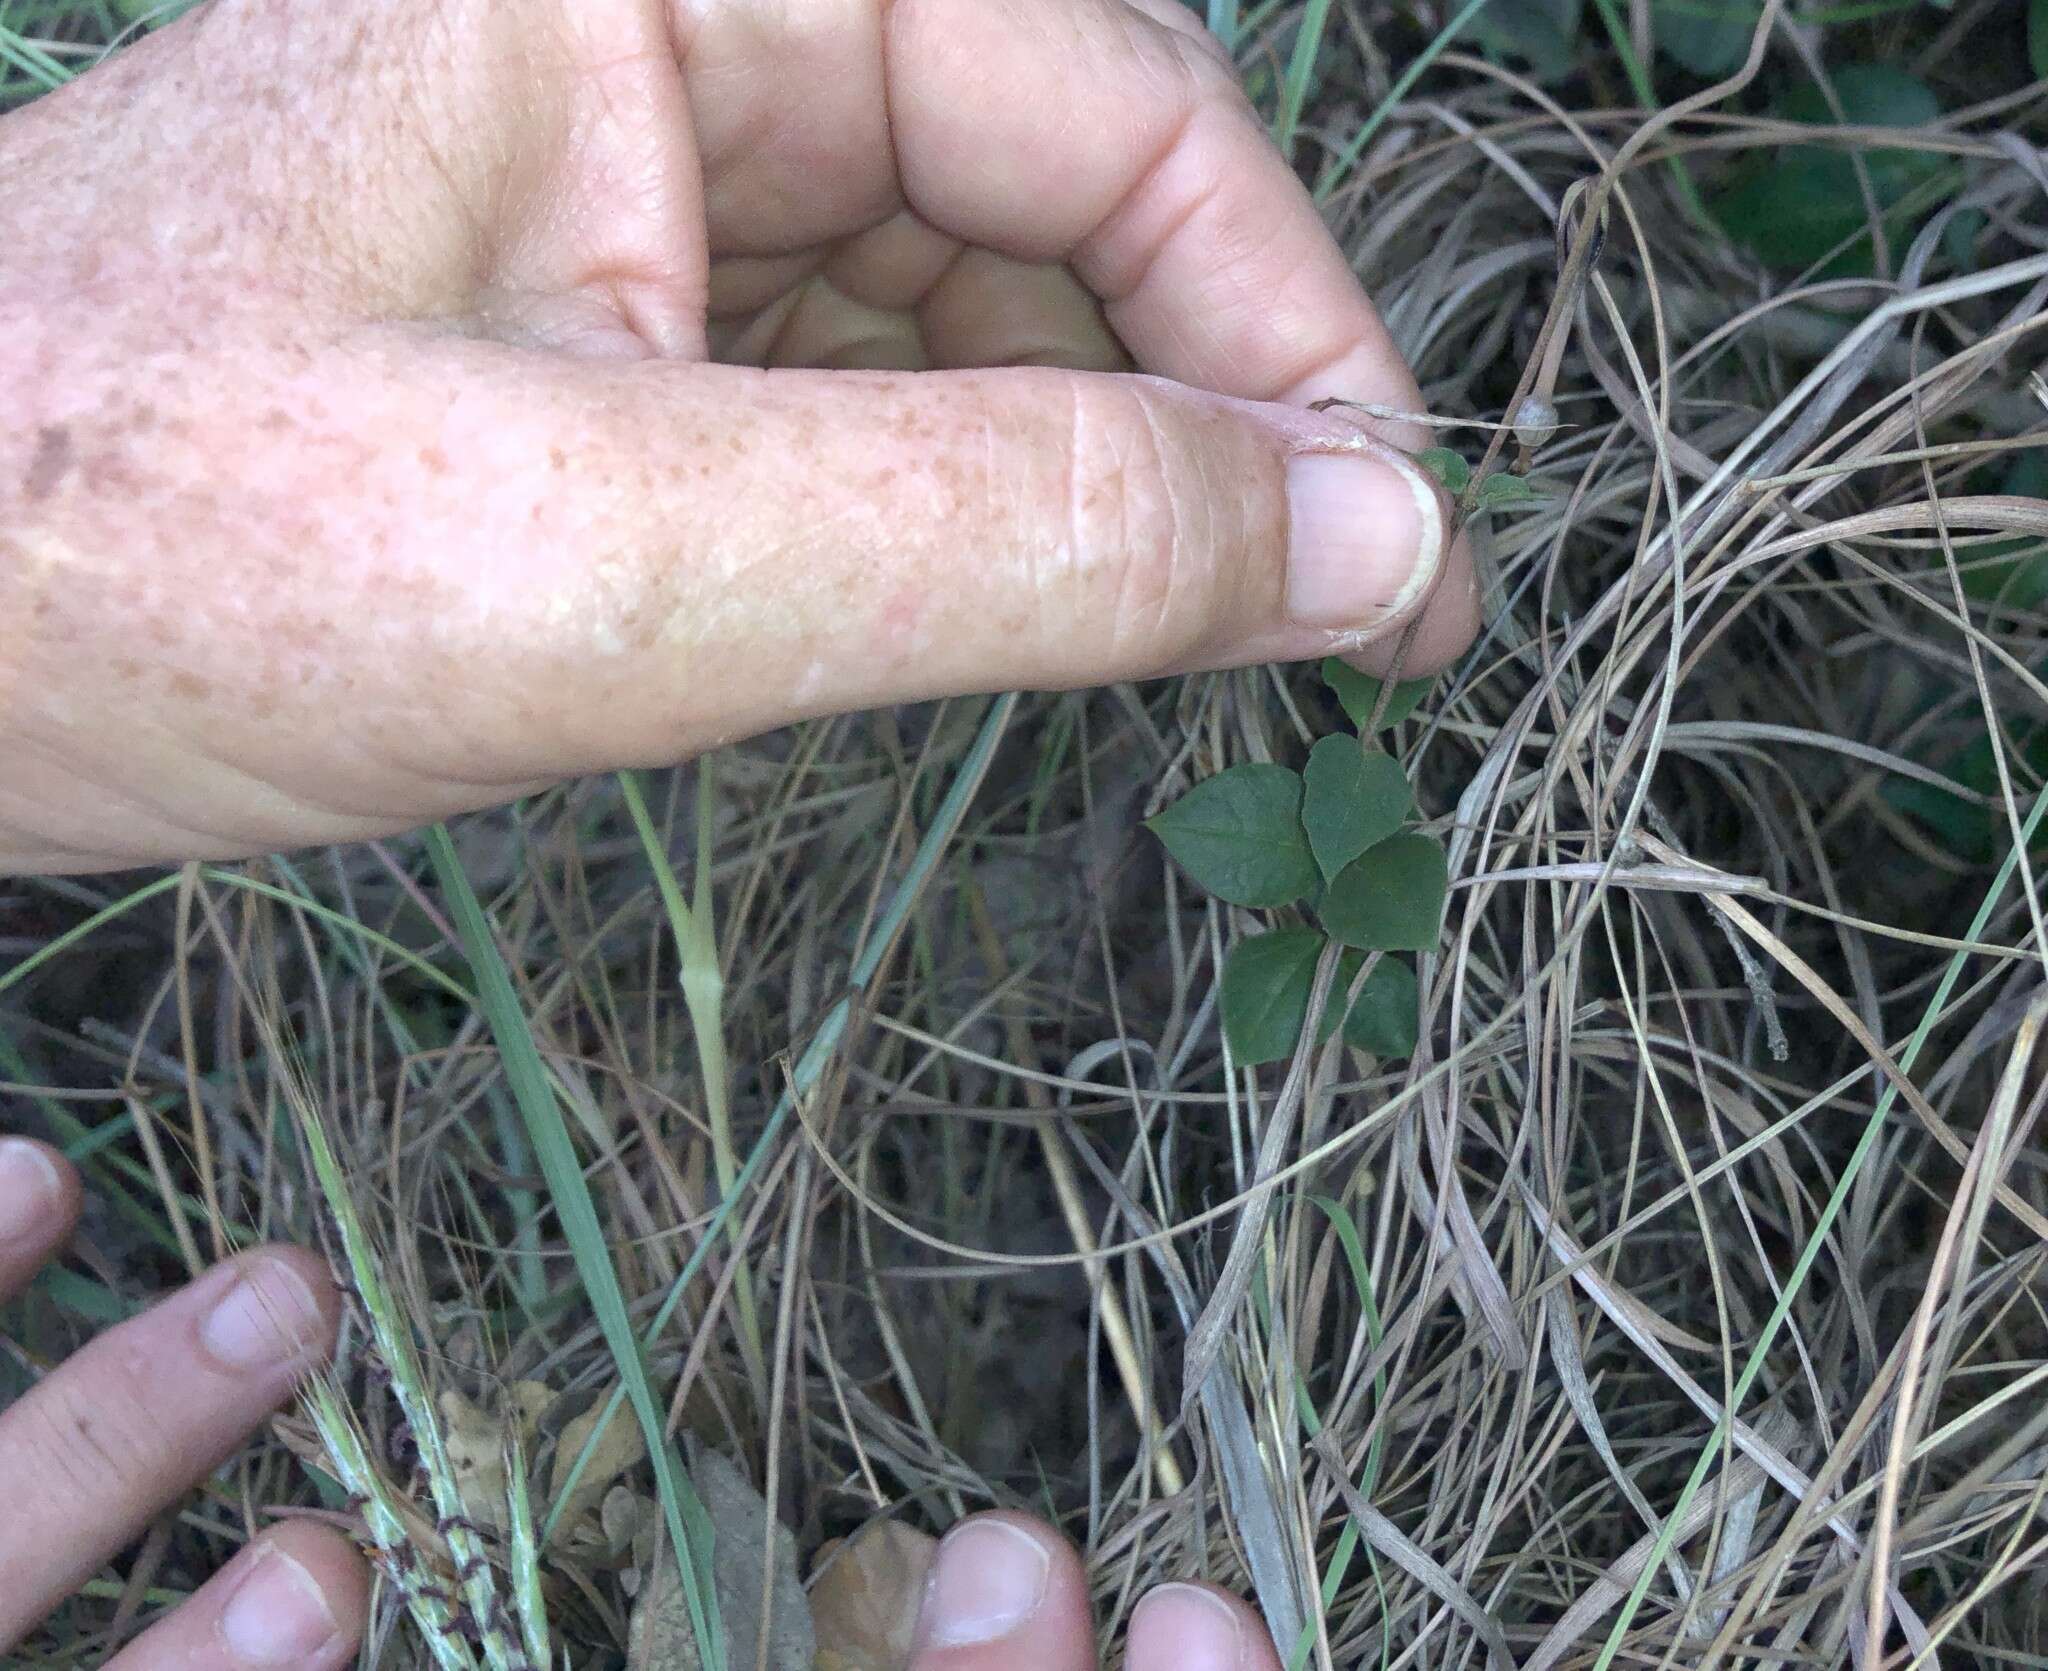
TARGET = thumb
x,y
727,550
349,587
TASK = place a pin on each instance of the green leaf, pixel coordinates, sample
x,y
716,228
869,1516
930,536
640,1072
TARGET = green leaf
x,y
1384,1019
2012,572
1447,466
1352,797
1538,33
154,13
1793,207
1504,488
1873,95
1959,238
1392,898
1239,835
2037,38
1266,985
1357,693
1708,37
1267,981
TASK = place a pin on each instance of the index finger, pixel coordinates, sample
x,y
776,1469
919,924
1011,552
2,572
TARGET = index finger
x,y
122,1427
1085,132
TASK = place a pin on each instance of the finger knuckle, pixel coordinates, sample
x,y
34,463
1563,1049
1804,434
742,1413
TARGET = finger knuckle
x,y
90,1438
1141,525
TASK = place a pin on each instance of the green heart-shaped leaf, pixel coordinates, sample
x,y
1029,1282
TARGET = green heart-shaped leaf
x,y
1383,1020
1391,898
1351,797
1239,835
1357,692
1266,985
1267,980
1539,33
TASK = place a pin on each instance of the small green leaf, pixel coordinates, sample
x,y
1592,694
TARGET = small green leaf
x,y
1357,692
1873,95
1267,981
1239,835
1708,37
1352,797
1383,1020
2037,38
1266,985
1392,898
154,13
1959,238
1447,466
1538,33
1504,488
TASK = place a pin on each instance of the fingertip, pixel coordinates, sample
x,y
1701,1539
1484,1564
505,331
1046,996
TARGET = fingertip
x,y
1365,537
1445,622
282,1310
1006,1593
1372,379
39,1202
1197,1627
298,1596
312,1270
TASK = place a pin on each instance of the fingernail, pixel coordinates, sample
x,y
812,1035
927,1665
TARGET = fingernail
x,y
989,1578
30,1189
1365,536
277,1615
267,1318
1182,1627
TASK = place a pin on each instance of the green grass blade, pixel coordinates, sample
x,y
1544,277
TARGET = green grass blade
x,y
98,920
811,1065
1342,164
533,1094
523,1553
1348,1540
1301,69
703,984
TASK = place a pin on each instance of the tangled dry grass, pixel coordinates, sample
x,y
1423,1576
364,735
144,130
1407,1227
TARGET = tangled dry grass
x,y
1680,1303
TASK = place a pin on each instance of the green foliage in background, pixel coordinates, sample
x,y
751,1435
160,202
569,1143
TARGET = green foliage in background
x,y
1796,207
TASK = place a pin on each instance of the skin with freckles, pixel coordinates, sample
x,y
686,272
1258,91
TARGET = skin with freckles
x,y
414,404
410,404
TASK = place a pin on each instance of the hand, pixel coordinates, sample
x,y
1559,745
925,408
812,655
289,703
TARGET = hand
x,y
365,458
111,1438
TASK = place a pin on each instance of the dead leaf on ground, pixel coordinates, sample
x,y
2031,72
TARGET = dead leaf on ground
x,y
662,1638
864,1601
619,1447
474,1442
531,1400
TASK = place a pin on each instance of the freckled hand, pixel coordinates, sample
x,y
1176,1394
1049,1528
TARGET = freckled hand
x,y
414,404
